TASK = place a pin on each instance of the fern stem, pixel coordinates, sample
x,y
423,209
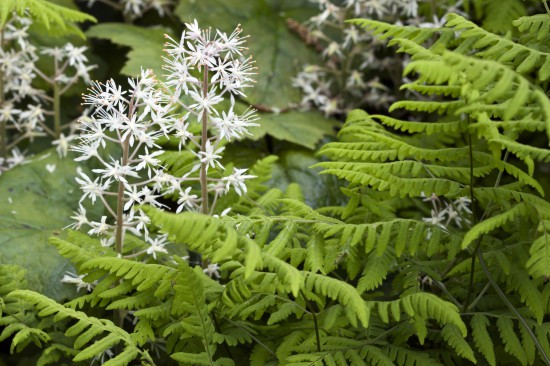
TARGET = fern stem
x,y
546,7
314,315
510,306
476,300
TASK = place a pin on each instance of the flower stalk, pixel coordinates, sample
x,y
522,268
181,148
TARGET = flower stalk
x,y
204,138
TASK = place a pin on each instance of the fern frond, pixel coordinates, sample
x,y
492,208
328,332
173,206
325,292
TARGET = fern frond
x,y
482,338
511,342
452,336
490,224
530,294
57,19
521,58
190,304
384,31
95,326
405,356
538,25
539,262
375,272
423,127
430,306
346,294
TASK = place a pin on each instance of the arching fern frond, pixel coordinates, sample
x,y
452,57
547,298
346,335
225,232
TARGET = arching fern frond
x,y
538,24
57,19
87,329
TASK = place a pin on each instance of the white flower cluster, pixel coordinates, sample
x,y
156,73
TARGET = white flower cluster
x,y
26,112
349,78
136,118
443,213
136,8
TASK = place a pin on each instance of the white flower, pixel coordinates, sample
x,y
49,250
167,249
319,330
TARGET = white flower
x,y
232,126
156,246
186,200
80,218
117,171
437,219
92,188
462,204
107,242
212,270
236,180
78,281
209,156
99,228
62,144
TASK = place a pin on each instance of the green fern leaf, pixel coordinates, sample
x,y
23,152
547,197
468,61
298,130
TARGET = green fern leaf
x,y
452,336
376,270
428,305
530,295
482,339
57,19
539,262
341,291
512,345
490,224
405,356
122,359
538,24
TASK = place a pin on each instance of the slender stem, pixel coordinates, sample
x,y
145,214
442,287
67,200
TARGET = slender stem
x,y
204,138
546,7
314,315
119,240
56,103
119,235
3,130
511,307
474,222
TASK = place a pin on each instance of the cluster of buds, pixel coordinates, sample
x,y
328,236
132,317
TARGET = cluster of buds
x,y
136,8
205,70
350,75
25,111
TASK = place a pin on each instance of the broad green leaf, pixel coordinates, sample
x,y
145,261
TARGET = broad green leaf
x,y
146,45
318,190
302,128
278,52
34,205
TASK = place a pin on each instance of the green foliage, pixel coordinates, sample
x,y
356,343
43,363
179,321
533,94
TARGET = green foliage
x,y
58,20
37,204
301,128
146,45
